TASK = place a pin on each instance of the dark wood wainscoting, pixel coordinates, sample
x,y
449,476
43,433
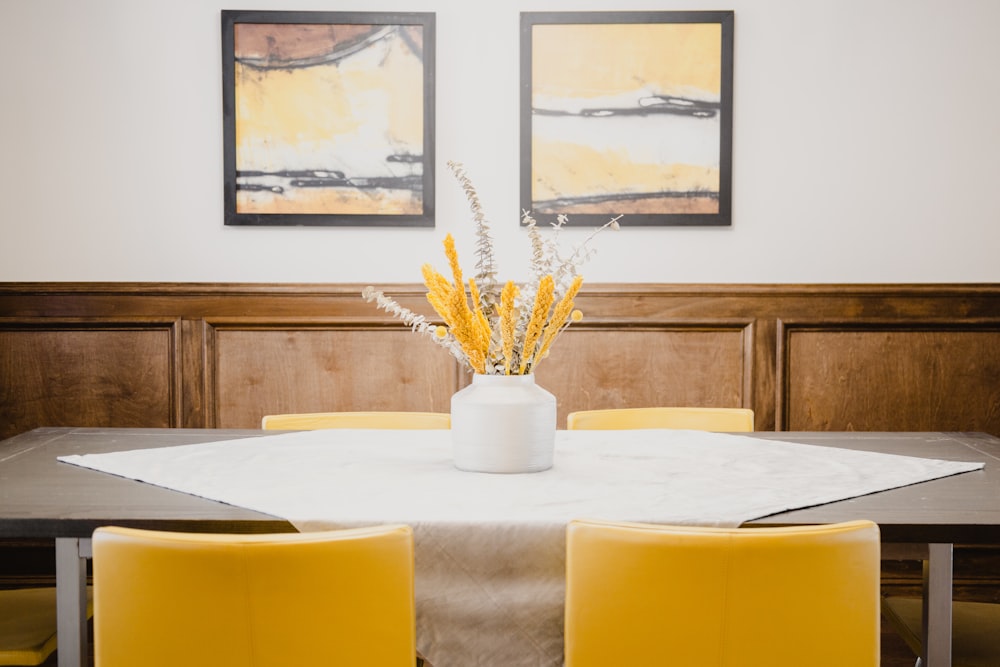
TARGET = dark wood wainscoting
x,y
803,357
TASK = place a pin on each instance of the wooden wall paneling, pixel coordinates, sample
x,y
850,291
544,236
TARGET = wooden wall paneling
x,y
614,364
84,372
276,367
877,375
619,311
764,337
27,562
194,403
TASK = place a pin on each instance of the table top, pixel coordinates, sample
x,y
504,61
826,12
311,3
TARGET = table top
x,y
963,509
40,497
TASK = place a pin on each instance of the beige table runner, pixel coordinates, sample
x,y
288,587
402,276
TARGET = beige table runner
x,y
490,548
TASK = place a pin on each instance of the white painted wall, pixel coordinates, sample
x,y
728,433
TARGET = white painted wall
x,y
866,148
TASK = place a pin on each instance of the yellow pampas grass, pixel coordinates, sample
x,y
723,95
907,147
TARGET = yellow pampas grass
x,y
508,323
539,315
560,315
491,329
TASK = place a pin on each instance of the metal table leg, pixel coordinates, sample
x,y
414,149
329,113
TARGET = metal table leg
x,y
71,600
937,606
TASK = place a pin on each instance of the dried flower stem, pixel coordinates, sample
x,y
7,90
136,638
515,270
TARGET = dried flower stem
x,y
484,246
539,314
493,330
560,316
417,323
540,264
581,253
483,324
508,322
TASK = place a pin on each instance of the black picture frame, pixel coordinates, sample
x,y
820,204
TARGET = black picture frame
x,y
627,113
328,118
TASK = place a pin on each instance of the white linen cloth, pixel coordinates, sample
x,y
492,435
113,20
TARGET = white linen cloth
x,y
490,548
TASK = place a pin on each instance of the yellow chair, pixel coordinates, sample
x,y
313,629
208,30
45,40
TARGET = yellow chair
x,y
975,627
344,597
316,420
698,419
28,625
642,594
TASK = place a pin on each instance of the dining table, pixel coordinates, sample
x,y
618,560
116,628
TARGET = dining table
x,y
489,548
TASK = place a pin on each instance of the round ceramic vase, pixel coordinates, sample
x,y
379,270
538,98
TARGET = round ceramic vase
x,y
503,424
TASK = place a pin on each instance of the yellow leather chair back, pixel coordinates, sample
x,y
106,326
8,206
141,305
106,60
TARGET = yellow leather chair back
x,y
640,594
395,420
697,419
212,600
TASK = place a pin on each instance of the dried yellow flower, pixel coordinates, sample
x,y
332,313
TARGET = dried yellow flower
x,y
452,254
496,330
451,305
539,315
559,316
482,324
508,322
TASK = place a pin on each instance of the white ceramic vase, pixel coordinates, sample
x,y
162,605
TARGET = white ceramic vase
x,y
503,423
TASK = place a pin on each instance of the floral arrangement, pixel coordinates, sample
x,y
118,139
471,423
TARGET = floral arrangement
x,y
495,329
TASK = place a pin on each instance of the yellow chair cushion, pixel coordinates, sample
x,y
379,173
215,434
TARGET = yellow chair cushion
x,y
975,629
696,419
387,420
28,625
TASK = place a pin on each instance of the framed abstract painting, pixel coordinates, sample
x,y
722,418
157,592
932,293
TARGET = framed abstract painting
x,y
328,118
627,113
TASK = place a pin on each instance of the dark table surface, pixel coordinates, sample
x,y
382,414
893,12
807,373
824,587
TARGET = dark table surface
x,y
962,509
42,497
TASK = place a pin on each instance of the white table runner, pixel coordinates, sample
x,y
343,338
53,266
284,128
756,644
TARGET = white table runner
x,y
490,548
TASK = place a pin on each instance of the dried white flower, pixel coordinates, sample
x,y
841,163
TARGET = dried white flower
x,y
417,323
